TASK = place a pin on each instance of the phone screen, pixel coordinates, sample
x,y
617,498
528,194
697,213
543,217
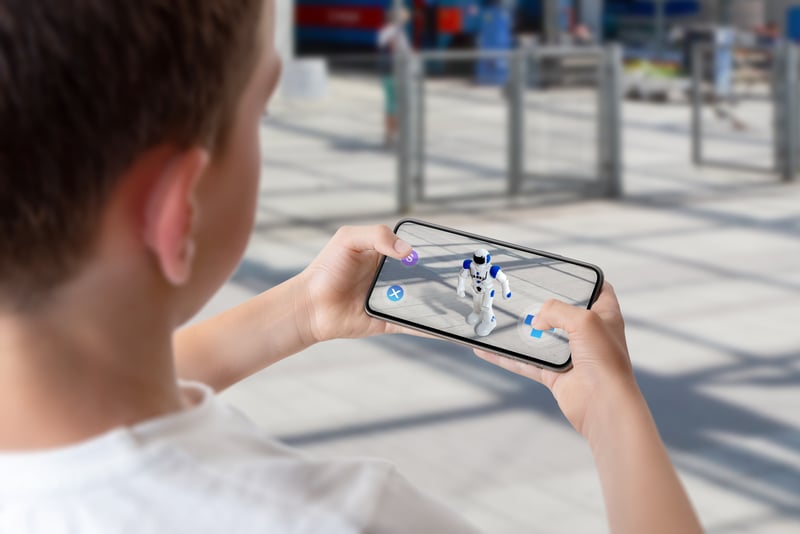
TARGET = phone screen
x,y
480,291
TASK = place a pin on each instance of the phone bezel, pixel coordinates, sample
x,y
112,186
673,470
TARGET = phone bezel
x,y
470,342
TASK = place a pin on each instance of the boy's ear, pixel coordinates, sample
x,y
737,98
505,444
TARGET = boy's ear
x,y
169,216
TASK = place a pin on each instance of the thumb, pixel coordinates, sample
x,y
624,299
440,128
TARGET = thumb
x,y
379,238
557,314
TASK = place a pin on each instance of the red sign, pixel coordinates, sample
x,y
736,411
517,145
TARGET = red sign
x,y
340,17
450,20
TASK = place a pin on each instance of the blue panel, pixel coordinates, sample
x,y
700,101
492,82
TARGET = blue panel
x,y
494,33
529,320
532,8
464,4
793,24
672,8
345,36
494,270
492,293
467,263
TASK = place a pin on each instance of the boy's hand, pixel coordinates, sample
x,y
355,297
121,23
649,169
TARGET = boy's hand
x,y
601,365
337,281
600,398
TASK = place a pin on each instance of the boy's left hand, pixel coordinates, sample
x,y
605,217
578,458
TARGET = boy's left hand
x,y
335,284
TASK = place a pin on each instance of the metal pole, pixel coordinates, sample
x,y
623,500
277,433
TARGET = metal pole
x,y
792,112
777,87
786,111
659,27
602,123
550,19
697,104
724,13
404,127
591,15
516,120
610,122
418,72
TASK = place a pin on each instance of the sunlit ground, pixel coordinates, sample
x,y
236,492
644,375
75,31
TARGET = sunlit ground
x,y
706,263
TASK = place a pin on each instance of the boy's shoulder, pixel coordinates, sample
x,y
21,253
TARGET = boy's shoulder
x,y
201,469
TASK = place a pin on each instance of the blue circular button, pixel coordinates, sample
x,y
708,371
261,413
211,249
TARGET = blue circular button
x,y
395,293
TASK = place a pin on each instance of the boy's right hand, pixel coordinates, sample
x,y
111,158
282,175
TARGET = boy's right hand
x,y
601,366
600,398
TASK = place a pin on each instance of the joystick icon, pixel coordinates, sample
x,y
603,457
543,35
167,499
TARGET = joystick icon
x,y
534,332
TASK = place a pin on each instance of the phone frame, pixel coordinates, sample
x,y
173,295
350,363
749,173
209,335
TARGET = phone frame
x,y
471,342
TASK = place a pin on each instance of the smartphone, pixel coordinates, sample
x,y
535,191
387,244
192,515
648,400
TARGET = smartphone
x,y
481,292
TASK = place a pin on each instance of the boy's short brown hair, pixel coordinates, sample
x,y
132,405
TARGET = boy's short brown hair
x,y
85,87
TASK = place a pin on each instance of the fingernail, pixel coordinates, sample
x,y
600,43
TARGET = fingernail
x,y
401,246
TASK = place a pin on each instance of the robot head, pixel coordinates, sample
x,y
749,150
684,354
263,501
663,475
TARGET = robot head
x,y
481,256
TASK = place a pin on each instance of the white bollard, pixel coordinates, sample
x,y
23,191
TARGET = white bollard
x,y
305,79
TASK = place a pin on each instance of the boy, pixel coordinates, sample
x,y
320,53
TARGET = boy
x,y
129,163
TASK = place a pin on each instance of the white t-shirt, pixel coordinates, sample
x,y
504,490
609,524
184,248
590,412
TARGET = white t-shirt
x,y
206,469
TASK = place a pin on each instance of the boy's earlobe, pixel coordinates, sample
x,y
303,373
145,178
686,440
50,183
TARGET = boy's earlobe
x,y
169,218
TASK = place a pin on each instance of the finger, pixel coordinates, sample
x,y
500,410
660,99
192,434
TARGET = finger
x,y
607,307
392,328
379,238
607,300
515,366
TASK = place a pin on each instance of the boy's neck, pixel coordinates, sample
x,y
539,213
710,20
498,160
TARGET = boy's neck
x,y
66,378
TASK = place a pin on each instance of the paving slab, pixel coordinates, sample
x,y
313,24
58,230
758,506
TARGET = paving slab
x,y
706,263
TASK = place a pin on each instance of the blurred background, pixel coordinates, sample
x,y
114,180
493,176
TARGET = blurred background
x,y
657,139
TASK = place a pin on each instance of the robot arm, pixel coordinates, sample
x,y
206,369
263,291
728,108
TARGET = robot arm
x,y
501,277
462,277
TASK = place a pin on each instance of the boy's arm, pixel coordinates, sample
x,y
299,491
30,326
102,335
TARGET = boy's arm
x,y
325,301
228,347
599,396
641,488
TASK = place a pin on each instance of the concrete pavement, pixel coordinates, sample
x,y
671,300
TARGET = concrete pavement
x,y
706,263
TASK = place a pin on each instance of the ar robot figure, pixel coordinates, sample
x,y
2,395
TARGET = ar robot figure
x,y
480,269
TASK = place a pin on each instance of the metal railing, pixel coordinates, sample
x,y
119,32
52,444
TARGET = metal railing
x,y
412,113
783,99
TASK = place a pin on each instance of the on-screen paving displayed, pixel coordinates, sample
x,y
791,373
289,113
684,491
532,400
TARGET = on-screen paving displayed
x,y
479,291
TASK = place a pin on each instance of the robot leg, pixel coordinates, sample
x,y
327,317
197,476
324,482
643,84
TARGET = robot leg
x,y
475,317
487,319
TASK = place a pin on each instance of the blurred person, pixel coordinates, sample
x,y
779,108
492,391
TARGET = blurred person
x,y
128,185
582,35
768,34
717,71
392,39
